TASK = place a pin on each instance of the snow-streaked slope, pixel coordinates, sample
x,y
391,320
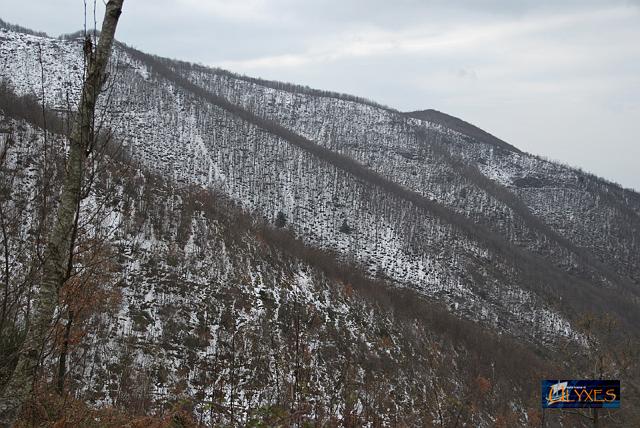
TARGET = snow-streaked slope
x,y
179,134
198,303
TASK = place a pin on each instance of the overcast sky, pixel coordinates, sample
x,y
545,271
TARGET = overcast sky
x,y
558,79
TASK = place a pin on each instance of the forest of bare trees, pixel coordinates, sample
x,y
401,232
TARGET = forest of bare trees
x,y
133,294
60,239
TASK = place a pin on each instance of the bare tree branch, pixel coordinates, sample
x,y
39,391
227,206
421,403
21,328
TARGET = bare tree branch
x,y
61,237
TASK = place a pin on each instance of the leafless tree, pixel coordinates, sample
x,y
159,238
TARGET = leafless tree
x,y
61,239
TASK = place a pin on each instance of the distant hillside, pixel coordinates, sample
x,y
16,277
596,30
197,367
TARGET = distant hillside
x,y
19,29
278,249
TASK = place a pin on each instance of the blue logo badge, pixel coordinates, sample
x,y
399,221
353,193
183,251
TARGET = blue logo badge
x,y
580,393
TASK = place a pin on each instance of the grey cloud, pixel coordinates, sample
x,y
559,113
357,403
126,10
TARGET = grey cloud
x,y
560,79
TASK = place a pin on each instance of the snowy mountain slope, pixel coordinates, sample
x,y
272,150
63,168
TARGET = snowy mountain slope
x,y
206,298
382,140
207,291
504,210
181,132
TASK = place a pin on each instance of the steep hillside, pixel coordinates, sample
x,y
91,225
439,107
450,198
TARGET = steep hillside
x,y
426,206
428,160
390,255
200,303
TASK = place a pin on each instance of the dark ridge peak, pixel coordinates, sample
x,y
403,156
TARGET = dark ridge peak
x,y
461,126
80,34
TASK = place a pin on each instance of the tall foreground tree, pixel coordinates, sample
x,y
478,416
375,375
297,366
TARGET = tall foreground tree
x,y
61,239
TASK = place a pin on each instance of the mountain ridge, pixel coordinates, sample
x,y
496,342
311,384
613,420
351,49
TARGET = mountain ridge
x,y
154,304
358,169
521,247
336,152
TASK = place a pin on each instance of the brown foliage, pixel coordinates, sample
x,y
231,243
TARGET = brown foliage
x,y
48,408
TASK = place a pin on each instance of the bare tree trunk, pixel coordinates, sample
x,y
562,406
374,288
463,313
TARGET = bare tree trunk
x,y
62,361
61,238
